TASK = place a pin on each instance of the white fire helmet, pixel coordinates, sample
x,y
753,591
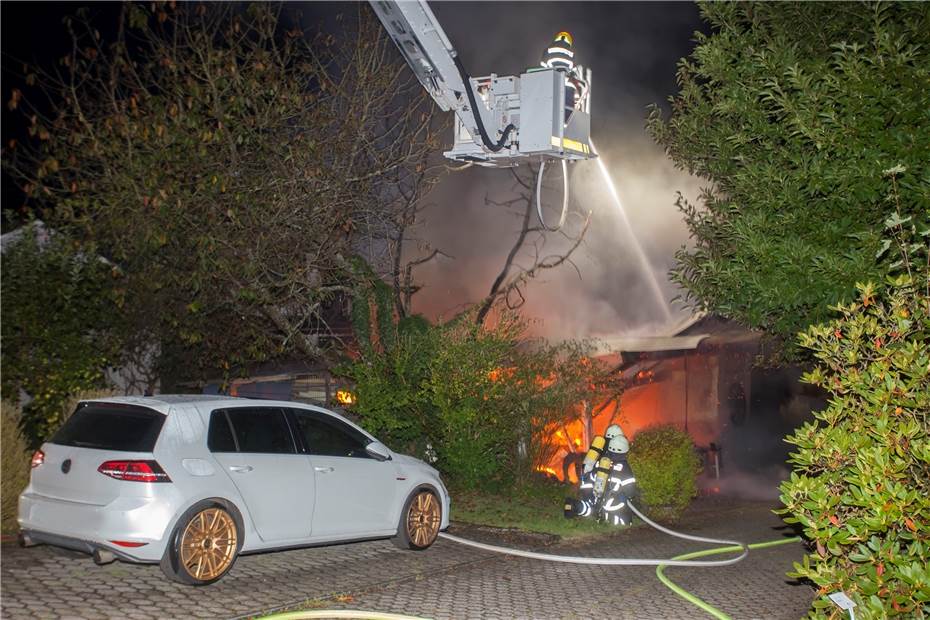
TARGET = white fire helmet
x,y
612,431
618,445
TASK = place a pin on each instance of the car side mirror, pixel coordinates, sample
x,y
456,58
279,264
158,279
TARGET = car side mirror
x,y
378,451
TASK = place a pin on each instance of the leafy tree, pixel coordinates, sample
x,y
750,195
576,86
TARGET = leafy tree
x,y
476,399
393,362
227,162
861,482
792,112
60,326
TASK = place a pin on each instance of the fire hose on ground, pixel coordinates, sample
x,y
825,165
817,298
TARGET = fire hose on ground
x,y
574,559
686,559
671,585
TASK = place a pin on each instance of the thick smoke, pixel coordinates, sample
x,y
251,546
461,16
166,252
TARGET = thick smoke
x,y
633,50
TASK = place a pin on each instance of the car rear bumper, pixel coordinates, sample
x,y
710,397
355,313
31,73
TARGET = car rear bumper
x,y
85,527
86,546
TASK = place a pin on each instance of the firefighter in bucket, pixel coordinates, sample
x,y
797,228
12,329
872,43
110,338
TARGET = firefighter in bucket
x,y
603,485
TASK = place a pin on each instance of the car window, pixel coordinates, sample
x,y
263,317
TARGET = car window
x,y
326,436
220,436
111,426
260,430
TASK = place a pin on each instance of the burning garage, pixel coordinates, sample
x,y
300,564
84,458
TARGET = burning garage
x,y
699,379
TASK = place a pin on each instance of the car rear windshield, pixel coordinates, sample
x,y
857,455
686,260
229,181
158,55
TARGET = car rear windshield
x,y
105,426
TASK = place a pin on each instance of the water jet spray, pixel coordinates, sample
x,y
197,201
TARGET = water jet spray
x,y
634,241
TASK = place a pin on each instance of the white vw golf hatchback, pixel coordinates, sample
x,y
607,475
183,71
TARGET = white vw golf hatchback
x,y
193,481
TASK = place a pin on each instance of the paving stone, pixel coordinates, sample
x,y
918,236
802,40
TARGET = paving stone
x,y
446,581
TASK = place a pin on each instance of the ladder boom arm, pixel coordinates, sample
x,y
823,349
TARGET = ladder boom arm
x,y
429,53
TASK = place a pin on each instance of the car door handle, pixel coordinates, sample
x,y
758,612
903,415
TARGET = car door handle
x,y
325,470
240,469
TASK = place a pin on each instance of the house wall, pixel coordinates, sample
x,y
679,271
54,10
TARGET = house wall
x,y
684,393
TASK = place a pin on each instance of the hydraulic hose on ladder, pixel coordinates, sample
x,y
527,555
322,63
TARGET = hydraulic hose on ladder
x,y
495,147
539,176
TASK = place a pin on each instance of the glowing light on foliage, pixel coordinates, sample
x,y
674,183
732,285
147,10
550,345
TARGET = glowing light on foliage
x,y
345,397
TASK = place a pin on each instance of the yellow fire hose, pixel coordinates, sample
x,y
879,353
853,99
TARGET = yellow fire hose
x,y
355,614
660,573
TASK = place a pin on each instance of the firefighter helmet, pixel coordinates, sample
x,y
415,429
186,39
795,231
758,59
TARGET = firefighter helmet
x,y
612,431
559,54
618,445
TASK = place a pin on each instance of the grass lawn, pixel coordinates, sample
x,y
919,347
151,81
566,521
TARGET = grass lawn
x,y
533,506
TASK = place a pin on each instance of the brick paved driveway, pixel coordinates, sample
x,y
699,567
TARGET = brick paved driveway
x,y
445,581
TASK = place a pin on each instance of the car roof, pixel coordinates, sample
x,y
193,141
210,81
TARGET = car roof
x,y
163,402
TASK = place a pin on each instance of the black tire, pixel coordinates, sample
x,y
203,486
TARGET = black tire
x,y
420,520
211,525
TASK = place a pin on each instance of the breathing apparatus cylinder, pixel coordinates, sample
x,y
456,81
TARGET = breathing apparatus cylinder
x,y
595,452
601,474
599,446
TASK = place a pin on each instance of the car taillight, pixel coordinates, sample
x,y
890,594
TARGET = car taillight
x,y
134,471
38,457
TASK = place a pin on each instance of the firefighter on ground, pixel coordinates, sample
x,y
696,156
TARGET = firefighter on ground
x,y
585,504
615,484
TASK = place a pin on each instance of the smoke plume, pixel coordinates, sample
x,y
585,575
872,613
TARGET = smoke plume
x,y
633,49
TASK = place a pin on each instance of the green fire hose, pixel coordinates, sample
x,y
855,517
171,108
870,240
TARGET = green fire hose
x,y
660,573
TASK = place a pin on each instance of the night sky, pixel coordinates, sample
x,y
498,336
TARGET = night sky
x,y
632,49
34,32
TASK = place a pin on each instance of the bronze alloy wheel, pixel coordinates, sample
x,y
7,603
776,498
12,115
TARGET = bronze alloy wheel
x,y
208,544
423,518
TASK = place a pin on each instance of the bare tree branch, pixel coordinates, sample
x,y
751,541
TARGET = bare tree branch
x,y
512,277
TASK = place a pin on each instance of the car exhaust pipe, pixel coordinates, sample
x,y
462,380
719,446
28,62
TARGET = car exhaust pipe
x,y
24,540
102,556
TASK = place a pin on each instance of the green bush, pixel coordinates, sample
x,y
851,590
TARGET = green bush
x,y
468,385
861,478
666,465
388,389
58,327
472,400
15,465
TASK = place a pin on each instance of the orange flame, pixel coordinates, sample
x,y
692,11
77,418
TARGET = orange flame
x,y
544,382
501,373
345,397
